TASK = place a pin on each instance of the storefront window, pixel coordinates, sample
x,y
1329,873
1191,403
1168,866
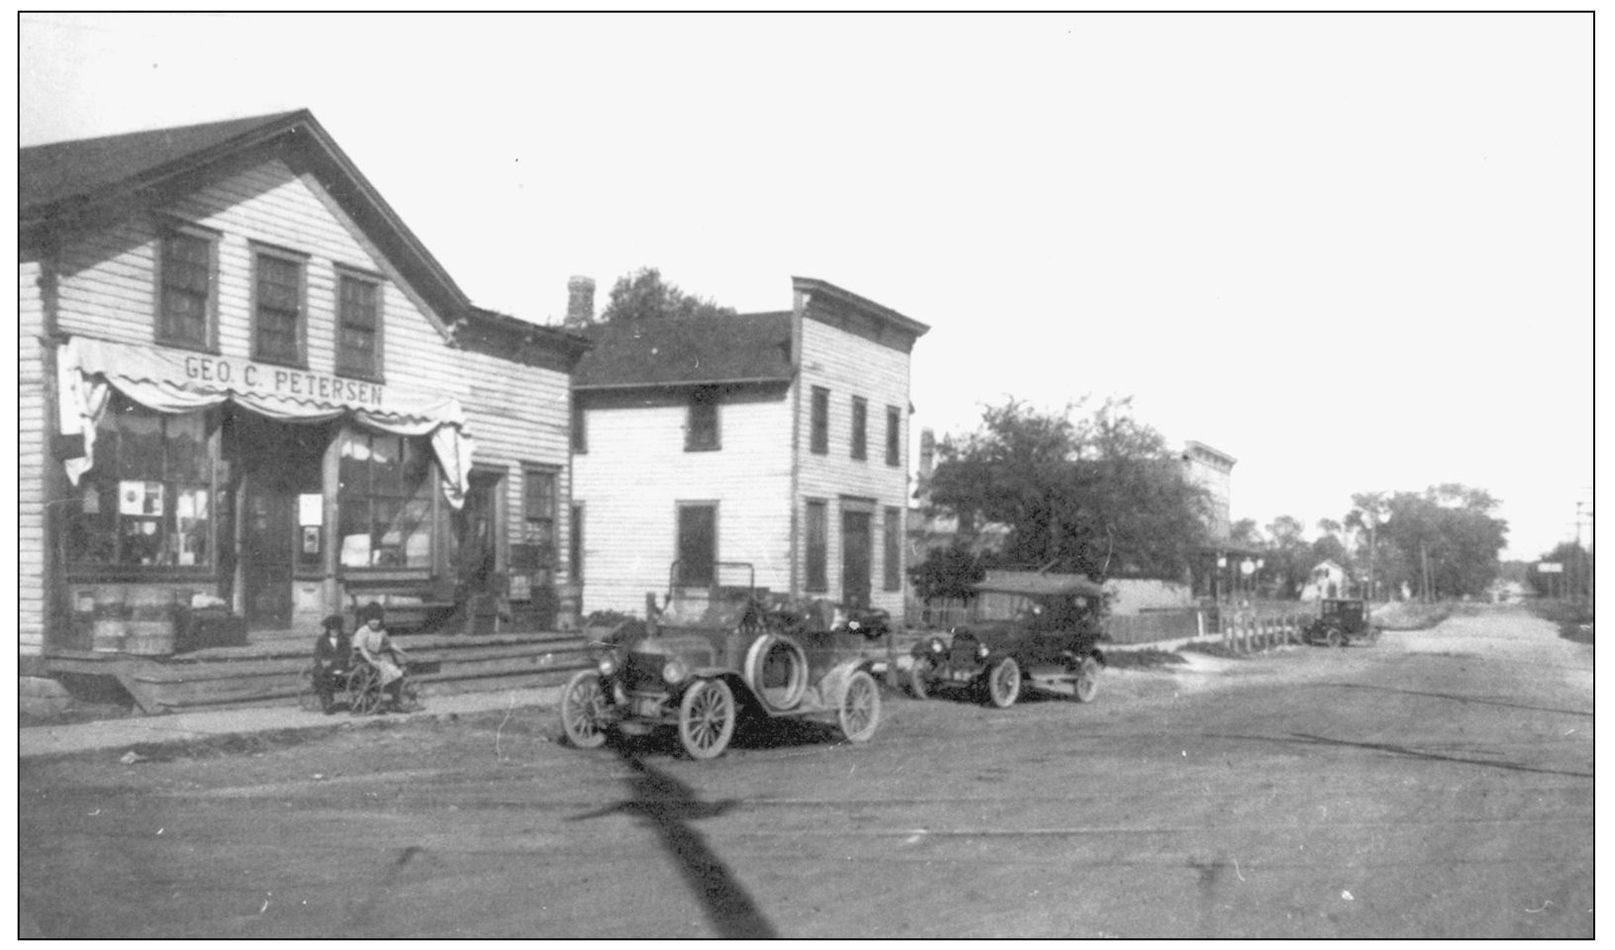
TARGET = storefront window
x,y
385,501
148,502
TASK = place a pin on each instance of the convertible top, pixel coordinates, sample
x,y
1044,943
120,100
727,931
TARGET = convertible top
x,y
1032,585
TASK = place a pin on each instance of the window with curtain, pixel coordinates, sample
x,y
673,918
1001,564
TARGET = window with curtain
x,y
148,502
385,501
539,507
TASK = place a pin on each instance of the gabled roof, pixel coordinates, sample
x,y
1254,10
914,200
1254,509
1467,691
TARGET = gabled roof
x,y
688,351
53,178
65,185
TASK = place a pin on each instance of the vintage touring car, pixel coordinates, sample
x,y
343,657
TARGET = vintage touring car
x,y
1049,644
1339,622
711,655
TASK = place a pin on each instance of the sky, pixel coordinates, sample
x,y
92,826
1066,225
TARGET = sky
x,y
1353,251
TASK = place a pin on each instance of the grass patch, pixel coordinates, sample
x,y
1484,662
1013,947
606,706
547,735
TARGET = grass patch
x,y
1574,619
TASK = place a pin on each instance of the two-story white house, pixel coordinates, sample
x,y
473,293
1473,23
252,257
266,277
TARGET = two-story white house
x,y
775,440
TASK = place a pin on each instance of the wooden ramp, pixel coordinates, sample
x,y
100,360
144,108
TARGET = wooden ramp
x,y
273,671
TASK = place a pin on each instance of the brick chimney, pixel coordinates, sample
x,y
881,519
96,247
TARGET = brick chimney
x,y
579,302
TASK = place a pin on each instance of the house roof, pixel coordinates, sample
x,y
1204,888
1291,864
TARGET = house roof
x,y
675,351
64,185
52,177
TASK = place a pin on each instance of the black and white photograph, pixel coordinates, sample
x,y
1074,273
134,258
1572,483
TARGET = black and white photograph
x,y
817,475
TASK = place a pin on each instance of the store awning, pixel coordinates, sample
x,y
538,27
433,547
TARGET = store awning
x,y
176,381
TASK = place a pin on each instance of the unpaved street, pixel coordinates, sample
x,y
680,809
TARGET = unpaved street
x,y
1439,784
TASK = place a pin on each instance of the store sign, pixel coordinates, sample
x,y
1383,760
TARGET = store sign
x,y
237,375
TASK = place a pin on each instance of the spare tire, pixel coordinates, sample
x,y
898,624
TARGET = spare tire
x,y
776,671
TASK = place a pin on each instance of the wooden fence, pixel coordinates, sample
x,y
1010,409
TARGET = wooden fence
x,y
1242,629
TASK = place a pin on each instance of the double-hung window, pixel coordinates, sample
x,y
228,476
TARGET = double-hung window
x,y
385,501
818,542
701,432
894,436
185,304
819,429
148,502
860,428
358,326
893,553
539,494
697,543
278,311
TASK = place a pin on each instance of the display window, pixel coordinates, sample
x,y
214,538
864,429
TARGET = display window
x,y
386,501
148,502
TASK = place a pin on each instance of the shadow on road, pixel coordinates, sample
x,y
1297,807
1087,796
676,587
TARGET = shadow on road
x,y
1461,699
669,806
1417,754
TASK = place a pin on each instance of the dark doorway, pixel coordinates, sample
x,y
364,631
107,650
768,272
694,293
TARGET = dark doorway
x,y
276,462
855,558
268,530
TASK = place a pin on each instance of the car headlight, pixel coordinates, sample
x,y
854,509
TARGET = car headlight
x,y
607,664
982,651
674,672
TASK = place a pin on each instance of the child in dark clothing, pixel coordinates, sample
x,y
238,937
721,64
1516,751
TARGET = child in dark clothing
x,y
330,661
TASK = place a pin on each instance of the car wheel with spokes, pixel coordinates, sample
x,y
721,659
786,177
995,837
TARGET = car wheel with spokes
x,y
919,678
1334,639
1087,685
1004,683
583,703
859,711
706,718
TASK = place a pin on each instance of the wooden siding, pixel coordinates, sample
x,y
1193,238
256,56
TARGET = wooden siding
x,y
849,365
636,471
32,434
515,413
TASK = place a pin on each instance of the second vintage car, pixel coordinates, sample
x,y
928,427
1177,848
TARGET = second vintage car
x,y
707,658
1050,644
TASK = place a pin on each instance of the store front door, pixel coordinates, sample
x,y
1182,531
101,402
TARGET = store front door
x,y
268,531
280,465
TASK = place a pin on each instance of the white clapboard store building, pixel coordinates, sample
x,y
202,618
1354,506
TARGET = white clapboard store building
x,y
245,386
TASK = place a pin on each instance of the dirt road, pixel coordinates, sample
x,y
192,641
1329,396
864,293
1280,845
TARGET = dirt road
x,y
1439,784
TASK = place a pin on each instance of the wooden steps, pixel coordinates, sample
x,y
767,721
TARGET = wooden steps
x,y
271,673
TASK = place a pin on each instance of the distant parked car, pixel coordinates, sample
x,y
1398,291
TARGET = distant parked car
x,y
1339,622
705,660
1050,645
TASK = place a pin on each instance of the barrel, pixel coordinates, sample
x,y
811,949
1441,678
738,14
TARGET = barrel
x,y
107,634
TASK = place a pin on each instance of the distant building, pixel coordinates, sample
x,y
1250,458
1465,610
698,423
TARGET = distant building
x,y
1212,470
1326,580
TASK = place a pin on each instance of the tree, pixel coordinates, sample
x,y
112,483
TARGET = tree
x,y
1575,566
643,295
1443,542
1288,557
1099,496
948,574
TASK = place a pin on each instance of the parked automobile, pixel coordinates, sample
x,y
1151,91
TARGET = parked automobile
x,y
1049,645
1339,622
706,659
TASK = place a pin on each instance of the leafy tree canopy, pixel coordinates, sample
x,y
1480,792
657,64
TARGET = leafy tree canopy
x,y
644,295
1099,495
